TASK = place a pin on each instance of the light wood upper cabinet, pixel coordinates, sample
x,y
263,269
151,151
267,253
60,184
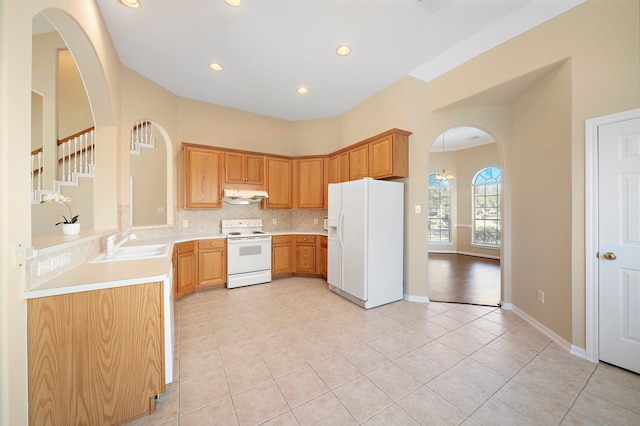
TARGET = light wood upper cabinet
x,y
246,169
278,183
359,162
95,357
383,156
339,167
202,177
309,179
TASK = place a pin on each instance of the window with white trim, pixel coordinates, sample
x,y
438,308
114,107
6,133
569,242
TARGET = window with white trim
x,y
487,194
439,210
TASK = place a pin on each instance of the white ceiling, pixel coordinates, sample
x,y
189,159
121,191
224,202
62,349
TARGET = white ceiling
x,y
271,47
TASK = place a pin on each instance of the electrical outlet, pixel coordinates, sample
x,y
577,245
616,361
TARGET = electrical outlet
x,y
315,221
185,223
56,262
274,221
418,209
44,266
66,258
540,296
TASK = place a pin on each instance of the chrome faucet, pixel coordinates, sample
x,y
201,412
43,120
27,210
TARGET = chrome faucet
x,y
112,246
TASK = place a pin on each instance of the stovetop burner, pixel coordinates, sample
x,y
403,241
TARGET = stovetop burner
x,y
237,228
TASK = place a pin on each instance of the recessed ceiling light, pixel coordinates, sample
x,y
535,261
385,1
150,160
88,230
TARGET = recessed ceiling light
x,y
233,3
302,90
343,50
131,3
216,66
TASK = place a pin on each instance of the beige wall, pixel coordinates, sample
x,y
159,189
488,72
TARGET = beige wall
x,y
594,50
74,111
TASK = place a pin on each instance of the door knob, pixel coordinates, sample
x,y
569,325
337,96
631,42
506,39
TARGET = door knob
x,y
609,256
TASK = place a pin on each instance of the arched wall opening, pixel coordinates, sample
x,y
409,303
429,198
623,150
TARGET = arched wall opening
x,y
451,250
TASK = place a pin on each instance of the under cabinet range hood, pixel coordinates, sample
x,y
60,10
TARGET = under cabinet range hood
x,y
243,196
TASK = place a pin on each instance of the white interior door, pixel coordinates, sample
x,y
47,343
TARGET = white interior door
x,y
619,243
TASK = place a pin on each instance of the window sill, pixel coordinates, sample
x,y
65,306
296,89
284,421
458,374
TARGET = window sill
x,y
485,246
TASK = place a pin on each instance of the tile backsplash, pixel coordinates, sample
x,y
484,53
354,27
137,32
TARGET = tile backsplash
x,y
208,221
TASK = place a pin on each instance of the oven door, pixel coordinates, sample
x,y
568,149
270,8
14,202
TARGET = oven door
x,y
248,255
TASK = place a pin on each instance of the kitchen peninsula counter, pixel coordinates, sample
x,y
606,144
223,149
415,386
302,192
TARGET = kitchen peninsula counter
x,y
89,276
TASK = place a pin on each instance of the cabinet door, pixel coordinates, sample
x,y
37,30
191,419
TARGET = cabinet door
x,y
359,162
187,274
278,183
309,183
212,262
323,257
234,167
202,169
381,158
254,173
244,168
339,168
305,260
212,265
282,256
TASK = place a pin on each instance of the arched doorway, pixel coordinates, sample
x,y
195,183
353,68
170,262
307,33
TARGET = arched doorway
x,y
464,217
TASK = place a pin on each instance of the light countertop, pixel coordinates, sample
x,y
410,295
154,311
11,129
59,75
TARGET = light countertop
x,y
90,276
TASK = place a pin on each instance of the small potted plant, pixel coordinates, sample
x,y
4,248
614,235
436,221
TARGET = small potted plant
x,y
70,225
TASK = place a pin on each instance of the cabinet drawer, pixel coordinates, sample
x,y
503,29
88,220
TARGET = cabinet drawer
x,y
281,239
305,239
213,243
185,247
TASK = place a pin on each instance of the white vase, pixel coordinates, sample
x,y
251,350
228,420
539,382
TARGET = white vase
x,y
70,228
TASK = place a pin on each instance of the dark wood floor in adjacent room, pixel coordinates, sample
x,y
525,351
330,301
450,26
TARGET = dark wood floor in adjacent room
x,y
464,279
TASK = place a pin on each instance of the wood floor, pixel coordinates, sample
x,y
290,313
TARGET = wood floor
x,y
464,279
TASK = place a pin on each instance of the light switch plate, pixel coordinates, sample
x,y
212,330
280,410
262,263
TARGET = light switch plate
x,y
418,209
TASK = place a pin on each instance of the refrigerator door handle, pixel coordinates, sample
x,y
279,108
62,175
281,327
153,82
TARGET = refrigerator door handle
x,y
340,231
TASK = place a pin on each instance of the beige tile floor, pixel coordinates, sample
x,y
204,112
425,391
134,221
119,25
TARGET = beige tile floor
x,y
291,352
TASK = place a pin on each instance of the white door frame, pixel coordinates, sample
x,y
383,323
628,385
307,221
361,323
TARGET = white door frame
x,y
592,349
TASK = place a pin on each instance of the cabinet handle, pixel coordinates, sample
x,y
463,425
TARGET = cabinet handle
x,y
193,257
186,247
321,201
211,244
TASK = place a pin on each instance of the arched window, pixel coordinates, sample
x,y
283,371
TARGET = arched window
x,y
487,193
439,210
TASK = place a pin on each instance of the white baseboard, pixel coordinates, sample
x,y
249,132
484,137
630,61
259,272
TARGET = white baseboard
x,y
465,253
486,256
544,329
505,305
579,352
419,299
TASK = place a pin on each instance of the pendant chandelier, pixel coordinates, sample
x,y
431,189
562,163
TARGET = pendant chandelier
x,y
444,175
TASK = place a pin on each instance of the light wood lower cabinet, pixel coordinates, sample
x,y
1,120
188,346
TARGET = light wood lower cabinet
x,y
186,272
305,254
324,256
281,256
95,357
212,263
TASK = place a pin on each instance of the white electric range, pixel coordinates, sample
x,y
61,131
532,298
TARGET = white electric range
x,y
248,252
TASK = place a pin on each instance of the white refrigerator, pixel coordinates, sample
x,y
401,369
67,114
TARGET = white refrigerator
x,y
366,241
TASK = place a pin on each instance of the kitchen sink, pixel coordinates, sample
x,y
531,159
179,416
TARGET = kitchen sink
x,y
136,252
